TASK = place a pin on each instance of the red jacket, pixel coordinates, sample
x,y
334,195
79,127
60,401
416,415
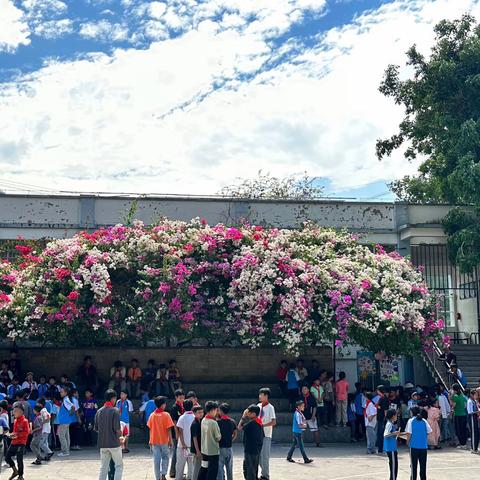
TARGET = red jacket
x,y
21,427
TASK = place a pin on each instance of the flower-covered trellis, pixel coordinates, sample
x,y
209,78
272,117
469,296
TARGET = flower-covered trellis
x,y
258,286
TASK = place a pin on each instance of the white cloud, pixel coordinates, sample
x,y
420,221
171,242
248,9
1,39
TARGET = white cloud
x,y
40,8
157,9
151,120
13,28
54,28
104,30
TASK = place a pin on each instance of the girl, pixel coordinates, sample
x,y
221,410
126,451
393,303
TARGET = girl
x,y
66,416
472,411
390,435
434,422
371,424
292,386
417,436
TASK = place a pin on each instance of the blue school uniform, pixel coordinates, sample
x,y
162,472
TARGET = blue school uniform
x,y
13,389
389,443
419,430
149,409
292,382
42,389
124,408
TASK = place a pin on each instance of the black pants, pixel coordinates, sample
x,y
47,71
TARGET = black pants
x,y
393,464
380,432
250,466
360,426
474,432
418,456
461,428
292,397
173,464
211,472
15,451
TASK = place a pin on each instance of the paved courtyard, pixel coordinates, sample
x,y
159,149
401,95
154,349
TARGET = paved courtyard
x,y
334,462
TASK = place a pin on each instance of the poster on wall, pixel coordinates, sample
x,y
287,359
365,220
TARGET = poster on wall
x,y
366,367
390,370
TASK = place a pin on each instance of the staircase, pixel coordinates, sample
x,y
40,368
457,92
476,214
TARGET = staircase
x,y
468,360
239,396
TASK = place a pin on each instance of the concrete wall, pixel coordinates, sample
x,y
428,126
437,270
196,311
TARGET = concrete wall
x,y
195,364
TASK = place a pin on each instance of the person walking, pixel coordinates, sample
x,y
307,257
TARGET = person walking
x,y
268,417
109,434
417,431
210,444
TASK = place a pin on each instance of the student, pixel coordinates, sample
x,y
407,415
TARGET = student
x,y
269,421
107,425
417,436
19,437
459,405
4,428
160,384
371,424
196,438
176,411
292,385
66,416
458,374
42,386
134,378
317,392
89,410
37,435
390,435
352,421
313,372
160,424
125,407
302,372
473,412
184,441
75,426
360,404
445,412
383,404
46,429
192,396
252,441
15,364
118,377
174,376
228,430
13,388
433,420
310,413
341,398
282,372
146,410
149,374
298,427
210,443
329,398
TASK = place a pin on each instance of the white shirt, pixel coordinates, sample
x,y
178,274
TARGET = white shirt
x,y
29,386
408,428
47,427
371,411
444,404
185,422
267,414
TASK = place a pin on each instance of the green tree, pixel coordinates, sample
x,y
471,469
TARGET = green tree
x,y
442,128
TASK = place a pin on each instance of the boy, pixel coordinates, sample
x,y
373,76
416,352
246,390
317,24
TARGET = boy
x,y
341,394
19,437
149,374
160,384
371,424
13,388
37,435
292,385
196,438
318,393
282,377
89,409
210,442
269,420
390,435
472,411
310,413
42,386
299,426
192,396
134,378
329,398
383,404
4,428
160,424
228,429
184,441
125,407
174,376
176,411
252,440
360,404
46,428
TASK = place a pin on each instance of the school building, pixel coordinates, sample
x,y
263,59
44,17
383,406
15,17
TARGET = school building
x,y
413,230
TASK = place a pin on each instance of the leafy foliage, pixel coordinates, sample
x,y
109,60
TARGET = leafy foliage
x,y
442,127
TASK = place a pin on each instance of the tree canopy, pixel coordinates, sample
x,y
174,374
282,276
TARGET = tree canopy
x,y
442,127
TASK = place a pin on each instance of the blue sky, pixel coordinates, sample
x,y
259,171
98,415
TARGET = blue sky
x,y
184,96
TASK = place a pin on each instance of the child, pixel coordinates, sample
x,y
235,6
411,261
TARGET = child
x,y
252,441
160,385
149,375
13,388
160,424
46,428
19,437
75,428
228,429
118,377
125,407
174,376
134,378
89,409
301,370
341,395
184,441
52,386
299,426
417,436
371,424
37,435
351,417
66,416
472,410
292,386
192,396
317,392
282,377
42,386
360,404
196,438
390,435
4,428
459,405
310,413
434,422
329,398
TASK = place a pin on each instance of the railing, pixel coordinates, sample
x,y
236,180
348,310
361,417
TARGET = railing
x,y
475,338
440,368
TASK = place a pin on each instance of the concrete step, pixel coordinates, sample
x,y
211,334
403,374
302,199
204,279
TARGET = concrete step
x,y
231,390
